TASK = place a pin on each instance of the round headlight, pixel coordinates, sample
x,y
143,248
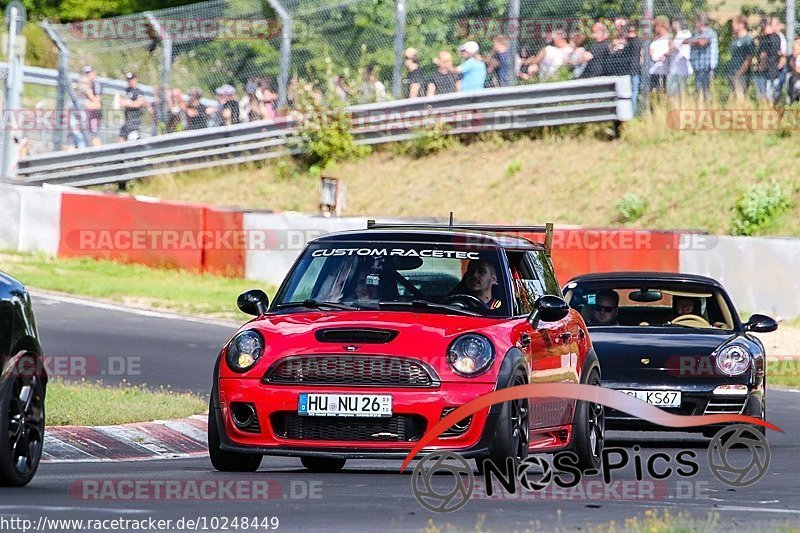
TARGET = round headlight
x,y
733,360
244,350
470,355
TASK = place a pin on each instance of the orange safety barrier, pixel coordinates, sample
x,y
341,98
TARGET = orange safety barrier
x,y
125,229
226,246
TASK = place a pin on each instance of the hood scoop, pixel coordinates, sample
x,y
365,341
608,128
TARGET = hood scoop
x,y
356,335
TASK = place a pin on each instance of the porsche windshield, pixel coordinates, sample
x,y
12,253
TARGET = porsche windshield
x,y
431,277
654,304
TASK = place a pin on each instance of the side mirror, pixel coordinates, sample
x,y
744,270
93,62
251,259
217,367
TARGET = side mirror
x,y
760,324
548,308
253,302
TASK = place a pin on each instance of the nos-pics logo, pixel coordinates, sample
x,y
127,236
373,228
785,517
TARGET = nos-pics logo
x,y
443,481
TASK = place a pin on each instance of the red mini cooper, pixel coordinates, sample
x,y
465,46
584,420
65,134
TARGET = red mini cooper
x,y
377,334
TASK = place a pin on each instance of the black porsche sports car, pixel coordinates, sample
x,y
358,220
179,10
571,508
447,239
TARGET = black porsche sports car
x,y
22,386
674,341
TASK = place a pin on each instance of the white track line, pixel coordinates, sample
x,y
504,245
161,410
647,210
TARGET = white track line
x,y
124,309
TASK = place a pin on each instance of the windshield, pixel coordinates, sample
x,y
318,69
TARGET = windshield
x,y
425,277
654,304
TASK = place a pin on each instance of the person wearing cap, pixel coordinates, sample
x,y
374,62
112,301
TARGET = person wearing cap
x,y
133,105
445,78
91,103
472,69
412,84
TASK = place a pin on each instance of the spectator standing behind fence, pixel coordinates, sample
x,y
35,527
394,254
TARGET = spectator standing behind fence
x,y
742,52
659,54
551,57
176,106
500,64
414,82
626,57
793,90
250,108
704,56
472,69
90,96
133,105
577,58
768,48
679,68
598,53
371,89
521,67
196,116
782,60
445,79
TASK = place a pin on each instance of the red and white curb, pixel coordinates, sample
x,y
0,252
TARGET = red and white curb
x,y
162,439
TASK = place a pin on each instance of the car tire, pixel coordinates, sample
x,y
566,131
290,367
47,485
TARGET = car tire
x,y
323,464
589,430
22,423
223,460
512,434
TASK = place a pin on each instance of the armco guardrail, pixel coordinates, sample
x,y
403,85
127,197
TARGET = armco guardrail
x,y
524,107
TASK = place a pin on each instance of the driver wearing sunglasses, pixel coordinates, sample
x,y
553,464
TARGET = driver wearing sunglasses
x,y
606,308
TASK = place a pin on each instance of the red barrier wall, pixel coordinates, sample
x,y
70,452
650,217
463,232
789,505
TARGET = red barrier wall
x,y
580,251
224,253
132,231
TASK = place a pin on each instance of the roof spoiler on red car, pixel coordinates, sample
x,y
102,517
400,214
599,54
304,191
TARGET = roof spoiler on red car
x,y
547,229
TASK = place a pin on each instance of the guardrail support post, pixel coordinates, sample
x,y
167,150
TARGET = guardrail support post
x,y
399,48
286,51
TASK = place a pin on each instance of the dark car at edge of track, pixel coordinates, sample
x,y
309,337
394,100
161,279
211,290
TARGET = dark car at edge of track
x,y
22,386
375,335
675,341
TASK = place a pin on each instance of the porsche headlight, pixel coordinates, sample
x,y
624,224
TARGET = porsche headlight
x,y
733,360
470,355
244,350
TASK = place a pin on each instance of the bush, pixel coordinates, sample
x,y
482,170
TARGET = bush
x,y
429,140
758,208
513,168
631,207
324,134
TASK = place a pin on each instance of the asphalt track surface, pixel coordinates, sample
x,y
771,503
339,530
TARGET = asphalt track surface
x,y
367,495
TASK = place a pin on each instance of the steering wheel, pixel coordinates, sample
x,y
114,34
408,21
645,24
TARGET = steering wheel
x,y
465,301
690,320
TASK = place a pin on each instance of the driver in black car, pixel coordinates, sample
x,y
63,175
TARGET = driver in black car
x,y
479,279
683,305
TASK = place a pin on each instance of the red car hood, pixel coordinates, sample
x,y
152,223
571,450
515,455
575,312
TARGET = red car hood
x,y
424,336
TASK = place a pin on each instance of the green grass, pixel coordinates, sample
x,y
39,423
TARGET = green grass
x,y
177,291
76,404
692,180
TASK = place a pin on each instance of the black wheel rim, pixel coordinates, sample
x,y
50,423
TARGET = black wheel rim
x,y
597,424
520,427
25,424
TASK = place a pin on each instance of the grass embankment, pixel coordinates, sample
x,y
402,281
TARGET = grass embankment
x,y
76,404
688,180
177,291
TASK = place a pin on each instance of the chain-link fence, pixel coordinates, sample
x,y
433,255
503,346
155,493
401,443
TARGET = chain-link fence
x,y
226,61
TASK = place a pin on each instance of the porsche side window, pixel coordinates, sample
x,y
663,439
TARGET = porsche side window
x,y
527,287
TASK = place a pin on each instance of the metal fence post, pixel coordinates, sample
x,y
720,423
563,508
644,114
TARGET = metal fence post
x,y
512,28
286,51
791,20
12,98
647,38
166,66
62,86
399,48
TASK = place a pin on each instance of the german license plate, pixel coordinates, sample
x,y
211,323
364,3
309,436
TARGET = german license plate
x,y
661,398
365,405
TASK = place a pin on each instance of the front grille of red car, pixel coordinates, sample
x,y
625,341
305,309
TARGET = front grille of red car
x,y
356,370
398,428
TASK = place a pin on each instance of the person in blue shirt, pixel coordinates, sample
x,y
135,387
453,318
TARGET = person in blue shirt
x,y
472,69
